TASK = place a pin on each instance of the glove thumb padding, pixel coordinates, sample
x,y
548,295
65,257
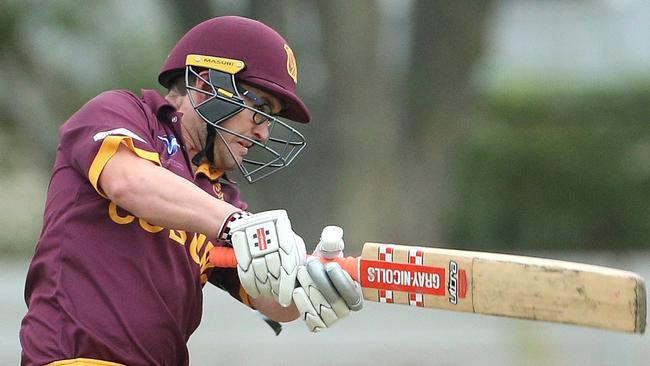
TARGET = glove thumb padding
x,y
333,277
331,243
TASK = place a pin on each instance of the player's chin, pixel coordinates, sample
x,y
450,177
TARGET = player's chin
x,y
234,161
239,158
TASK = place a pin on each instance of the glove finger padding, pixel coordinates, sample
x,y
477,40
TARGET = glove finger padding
x,y
244,264
345,286
289,259
317,299
307,310
320,278
268,254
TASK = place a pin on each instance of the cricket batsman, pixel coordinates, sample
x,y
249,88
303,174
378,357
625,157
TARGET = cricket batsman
x,y
141,191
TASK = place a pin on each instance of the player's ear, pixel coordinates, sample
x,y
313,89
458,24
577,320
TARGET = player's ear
x,y
200,82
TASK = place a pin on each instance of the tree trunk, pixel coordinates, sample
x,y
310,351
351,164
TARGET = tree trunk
x,y
447,41
363,157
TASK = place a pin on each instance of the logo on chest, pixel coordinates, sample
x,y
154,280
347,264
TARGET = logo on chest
x,y
171,144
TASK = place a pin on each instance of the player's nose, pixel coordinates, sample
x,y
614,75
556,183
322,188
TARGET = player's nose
x,y
261,132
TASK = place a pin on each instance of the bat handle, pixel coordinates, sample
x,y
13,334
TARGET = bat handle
x,y
224,257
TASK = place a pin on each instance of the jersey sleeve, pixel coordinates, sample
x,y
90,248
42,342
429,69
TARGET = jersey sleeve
x,y
93,135
228,280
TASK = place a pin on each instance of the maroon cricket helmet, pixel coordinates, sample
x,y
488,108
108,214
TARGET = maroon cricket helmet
x,y
269,62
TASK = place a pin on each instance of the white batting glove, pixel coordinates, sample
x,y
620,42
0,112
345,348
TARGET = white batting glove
x,y
326,293
268,253
331,243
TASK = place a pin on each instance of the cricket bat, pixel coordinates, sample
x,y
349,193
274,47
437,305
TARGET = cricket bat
x,y
494,284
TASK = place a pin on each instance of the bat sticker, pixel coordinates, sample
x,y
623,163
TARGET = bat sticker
x,y
453,282
402,277
457,286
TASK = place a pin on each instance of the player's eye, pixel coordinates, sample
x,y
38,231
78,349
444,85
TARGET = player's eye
x,y
261,106
260,118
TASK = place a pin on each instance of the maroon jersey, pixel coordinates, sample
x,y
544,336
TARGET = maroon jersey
x,y
104,284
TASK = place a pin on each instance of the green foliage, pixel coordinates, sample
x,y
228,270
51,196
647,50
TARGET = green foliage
x,y
546,171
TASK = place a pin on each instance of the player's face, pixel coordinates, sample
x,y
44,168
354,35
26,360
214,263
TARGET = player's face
x,y
242,123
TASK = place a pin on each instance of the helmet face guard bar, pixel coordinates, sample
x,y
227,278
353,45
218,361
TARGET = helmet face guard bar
x,y
224,100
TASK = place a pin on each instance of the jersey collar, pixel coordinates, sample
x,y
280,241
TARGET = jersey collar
x,y
209,171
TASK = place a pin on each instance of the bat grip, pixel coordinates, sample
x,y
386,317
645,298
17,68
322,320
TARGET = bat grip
x,y
224,257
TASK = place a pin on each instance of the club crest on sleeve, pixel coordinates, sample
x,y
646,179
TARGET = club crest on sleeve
x,y
171,144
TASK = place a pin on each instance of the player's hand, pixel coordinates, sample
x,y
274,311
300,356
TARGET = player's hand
x,y
268,253
326,293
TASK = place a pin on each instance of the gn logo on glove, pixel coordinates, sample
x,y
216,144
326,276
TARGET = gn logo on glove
x,y
262,239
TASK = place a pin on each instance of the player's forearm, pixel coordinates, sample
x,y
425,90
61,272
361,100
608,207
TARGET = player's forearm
x,y
273,310
161,197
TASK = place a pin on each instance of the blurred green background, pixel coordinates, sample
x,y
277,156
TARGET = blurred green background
x,y
491,125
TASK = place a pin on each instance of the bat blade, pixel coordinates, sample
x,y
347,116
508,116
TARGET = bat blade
x,y
504,285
